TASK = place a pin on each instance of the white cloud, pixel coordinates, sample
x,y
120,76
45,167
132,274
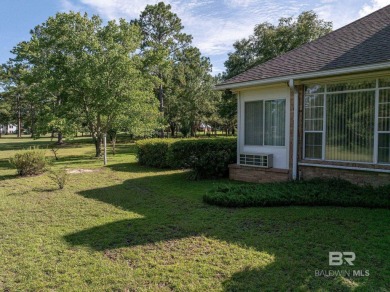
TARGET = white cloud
x,y
373,6
216,24
67,5
117,8
238,3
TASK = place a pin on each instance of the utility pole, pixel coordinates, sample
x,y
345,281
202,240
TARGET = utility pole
x,y
105,148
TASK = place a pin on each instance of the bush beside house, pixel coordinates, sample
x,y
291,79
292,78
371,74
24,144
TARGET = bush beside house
x,y
317,192
208,158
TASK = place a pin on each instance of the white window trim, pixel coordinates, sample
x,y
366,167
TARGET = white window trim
x,y
285,127
376,125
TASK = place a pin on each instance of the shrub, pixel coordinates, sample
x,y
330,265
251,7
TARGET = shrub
x,y
29,162
332,192
208,157
59,177
153,152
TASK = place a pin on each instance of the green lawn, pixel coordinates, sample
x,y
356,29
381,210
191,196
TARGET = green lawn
x,y
130,228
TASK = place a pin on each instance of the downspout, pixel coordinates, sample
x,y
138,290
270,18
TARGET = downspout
x,y
238,127
295,131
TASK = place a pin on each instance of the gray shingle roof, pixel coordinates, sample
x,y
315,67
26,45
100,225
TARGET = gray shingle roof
x,y
365,41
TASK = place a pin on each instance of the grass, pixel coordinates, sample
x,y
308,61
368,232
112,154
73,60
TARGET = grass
x,y
317,192
130,228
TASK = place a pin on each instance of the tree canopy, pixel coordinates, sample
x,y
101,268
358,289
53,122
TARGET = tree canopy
x,y
89,70
269,41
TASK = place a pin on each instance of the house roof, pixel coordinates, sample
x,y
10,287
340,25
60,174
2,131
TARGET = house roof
x,y
363,42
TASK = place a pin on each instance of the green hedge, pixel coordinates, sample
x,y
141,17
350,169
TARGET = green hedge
x,y
208,157
333,192
153,152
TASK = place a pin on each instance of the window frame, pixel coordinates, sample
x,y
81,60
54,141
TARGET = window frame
x,y
378,103
375,89
264,100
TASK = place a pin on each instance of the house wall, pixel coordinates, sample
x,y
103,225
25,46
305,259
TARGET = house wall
x,y
359,173
256,174
8,129
355,176
280,153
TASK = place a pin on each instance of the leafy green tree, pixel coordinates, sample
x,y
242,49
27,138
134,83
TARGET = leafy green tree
x,y
91,70
227,110
15,92
194,89
269,41
5,112
162,40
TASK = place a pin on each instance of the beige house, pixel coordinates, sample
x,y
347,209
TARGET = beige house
x,y
321,110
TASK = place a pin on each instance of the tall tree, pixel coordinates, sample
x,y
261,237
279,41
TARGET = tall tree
x,y
162,40
91,70
196,99
15,92
269,41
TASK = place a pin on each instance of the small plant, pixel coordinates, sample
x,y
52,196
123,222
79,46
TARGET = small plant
x,y
54,148
29,162
59,177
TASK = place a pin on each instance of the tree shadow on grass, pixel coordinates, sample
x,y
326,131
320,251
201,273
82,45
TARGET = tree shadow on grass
x,y
4,164
9,176
133,167
300,238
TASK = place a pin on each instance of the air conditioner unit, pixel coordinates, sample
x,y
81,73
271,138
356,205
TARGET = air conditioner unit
x,y
258,160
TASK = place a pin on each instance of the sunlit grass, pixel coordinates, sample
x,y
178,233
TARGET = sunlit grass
x,y
129,228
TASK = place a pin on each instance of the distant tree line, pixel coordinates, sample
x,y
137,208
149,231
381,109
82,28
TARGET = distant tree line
x,y
143,76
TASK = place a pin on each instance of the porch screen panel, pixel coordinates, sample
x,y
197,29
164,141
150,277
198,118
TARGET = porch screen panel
x,y
350,125
384,126
254,123
275,122
313,121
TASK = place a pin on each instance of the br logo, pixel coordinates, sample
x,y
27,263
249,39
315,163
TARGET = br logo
x,y
337,258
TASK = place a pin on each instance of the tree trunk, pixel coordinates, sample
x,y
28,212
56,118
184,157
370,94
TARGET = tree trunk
x,y
97,136
19,119
113,143
60,139
161,99
98,140
172,125
113,135
32,121
193,130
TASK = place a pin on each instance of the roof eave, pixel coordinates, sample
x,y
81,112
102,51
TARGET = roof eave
x,y
308,75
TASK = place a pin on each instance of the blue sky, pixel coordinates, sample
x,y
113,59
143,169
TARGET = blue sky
x,y
214,24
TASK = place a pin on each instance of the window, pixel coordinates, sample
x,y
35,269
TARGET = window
x,y
314,121
265,122
348,121
384,126
254,123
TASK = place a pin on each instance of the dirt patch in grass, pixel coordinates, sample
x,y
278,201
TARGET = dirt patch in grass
x,y
81,170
